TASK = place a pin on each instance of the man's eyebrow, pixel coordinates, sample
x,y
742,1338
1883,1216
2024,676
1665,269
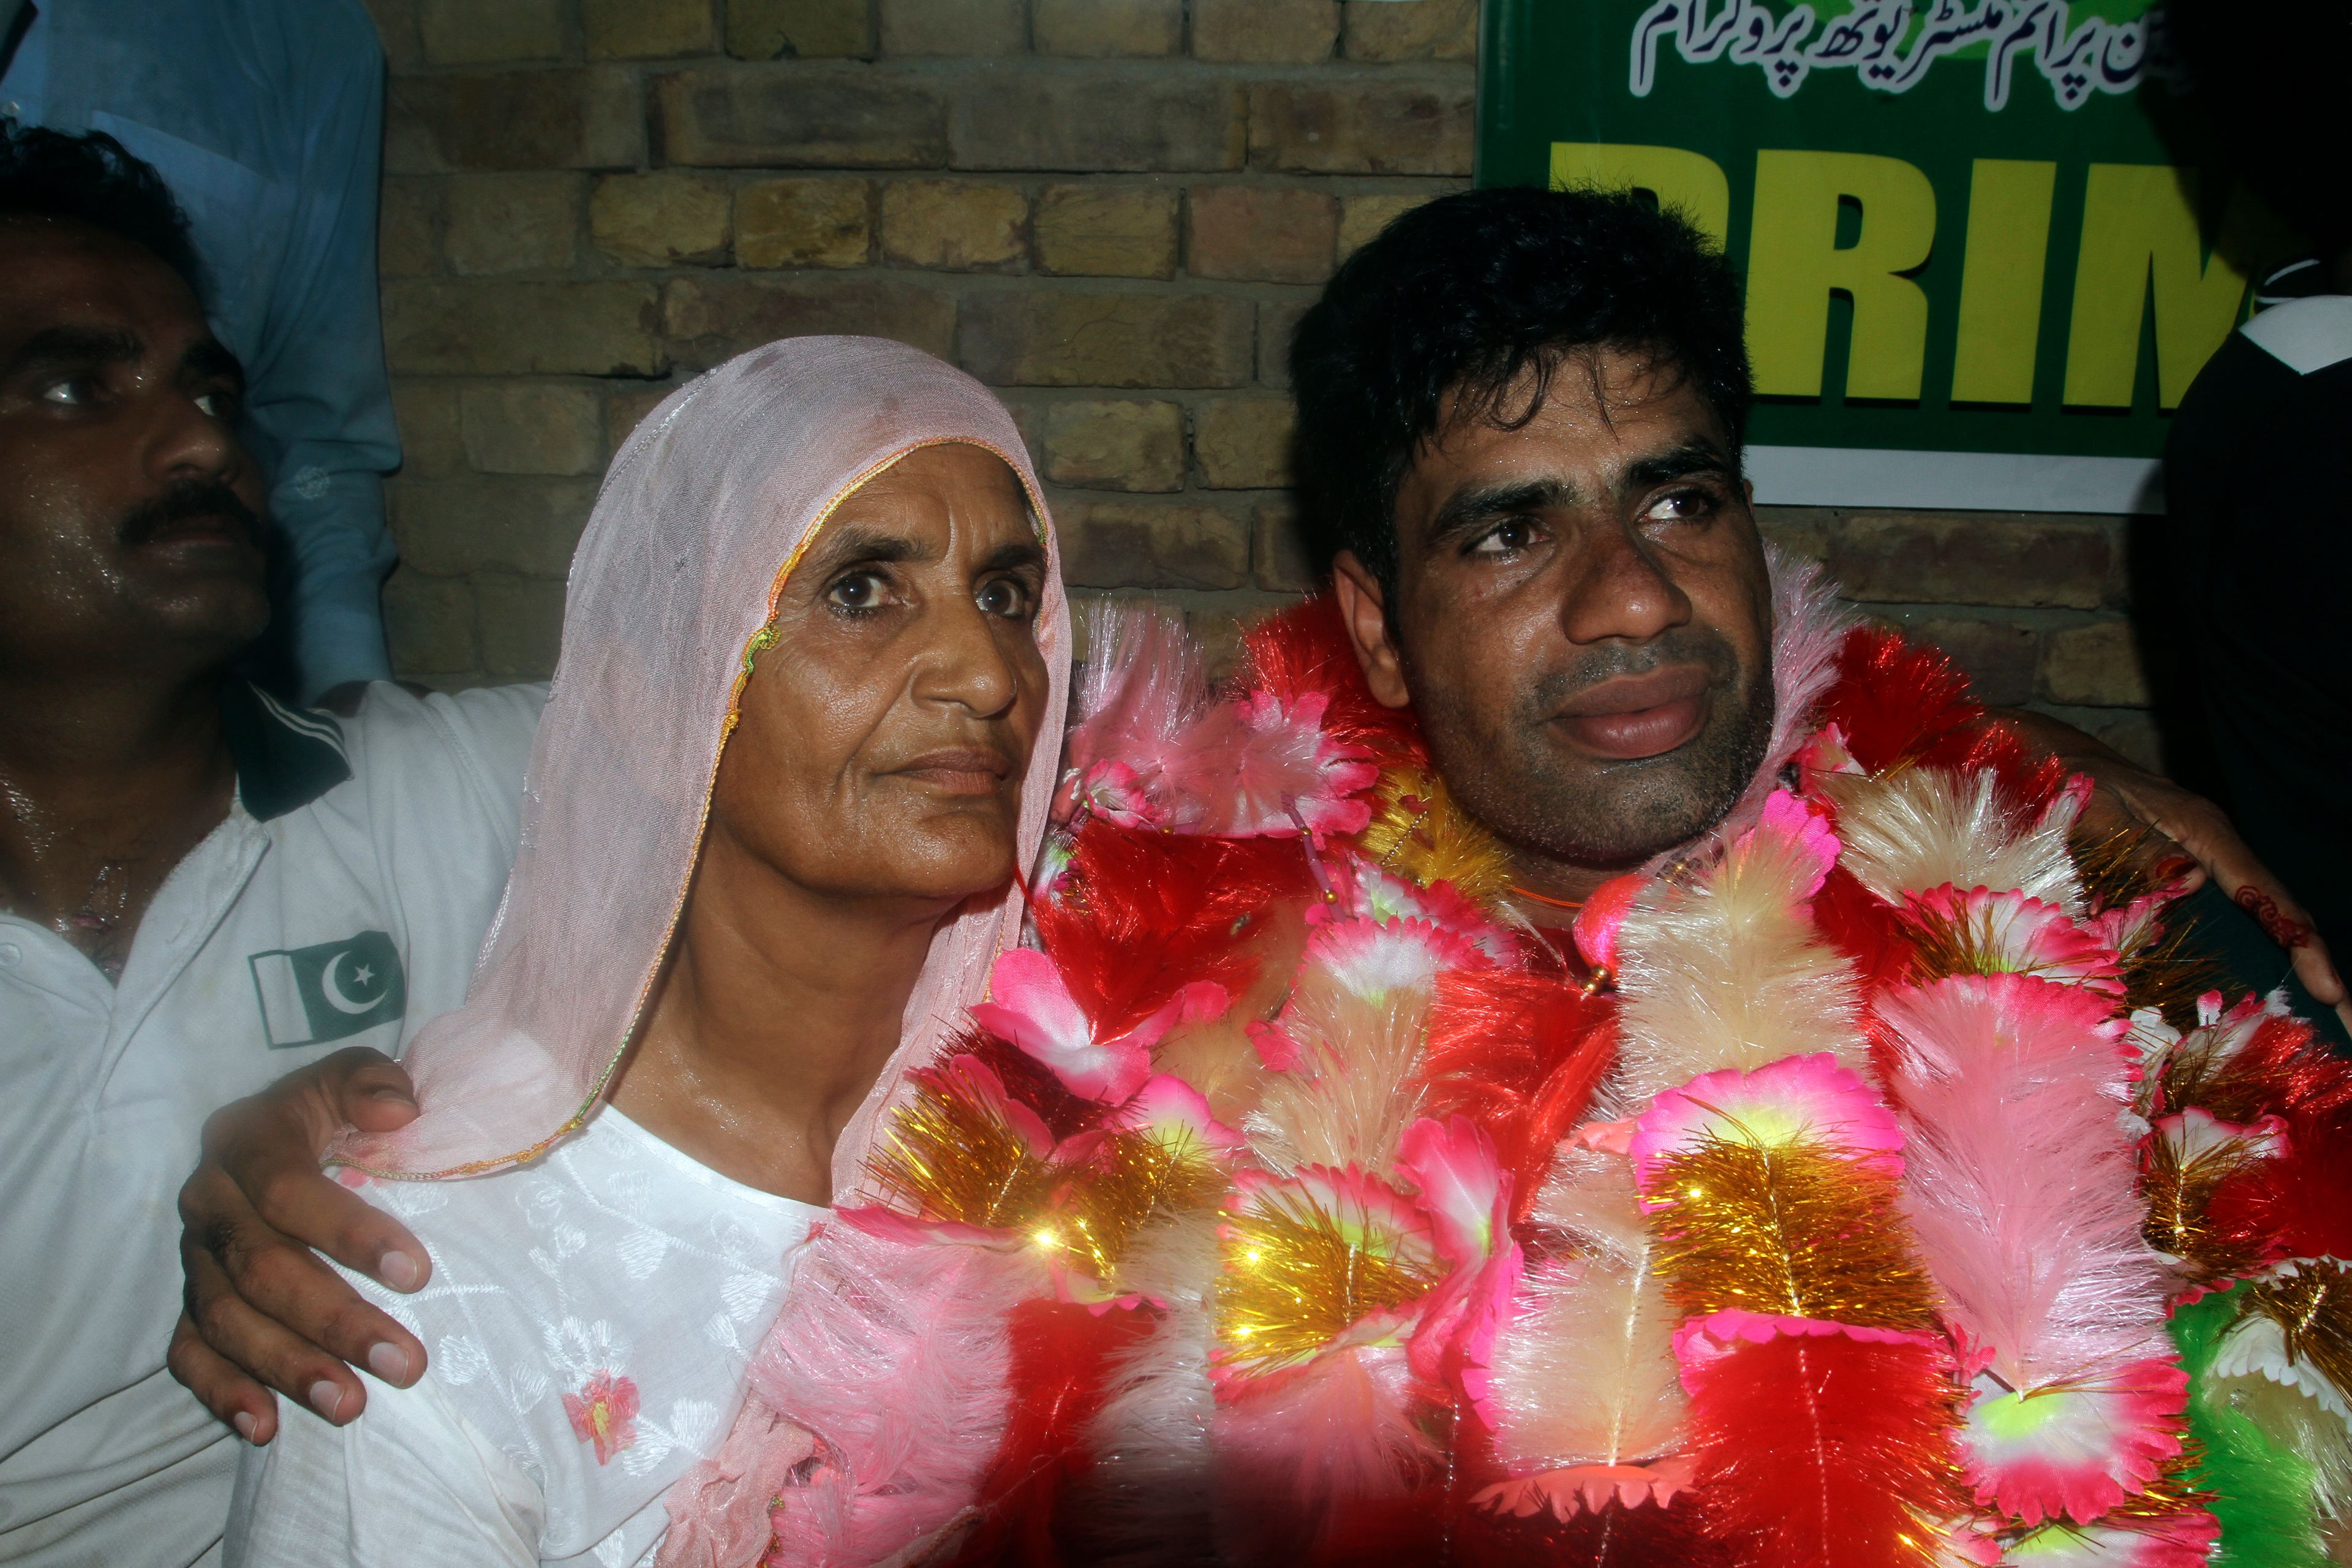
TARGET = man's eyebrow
x,y
73,345
1696,456
1467,509
209,359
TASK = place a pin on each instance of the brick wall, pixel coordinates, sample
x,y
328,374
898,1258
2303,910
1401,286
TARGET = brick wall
x,y
1113,210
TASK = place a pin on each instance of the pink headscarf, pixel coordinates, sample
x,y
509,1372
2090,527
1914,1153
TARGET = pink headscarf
x,y
702,516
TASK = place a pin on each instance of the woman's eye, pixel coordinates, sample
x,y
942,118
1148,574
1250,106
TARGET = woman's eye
x,y
1007,597
217,405
858,591
1506,538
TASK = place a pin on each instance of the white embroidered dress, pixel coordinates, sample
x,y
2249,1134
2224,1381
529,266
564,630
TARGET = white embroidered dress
x,y
588,1322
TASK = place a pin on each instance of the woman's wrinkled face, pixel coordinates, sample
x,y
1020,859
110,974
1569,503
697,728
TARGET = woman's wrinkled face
x,y
885,735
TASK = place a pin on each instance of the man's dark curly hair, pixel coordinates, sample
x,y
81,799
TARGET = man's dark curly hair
x,y
91,179
1439,316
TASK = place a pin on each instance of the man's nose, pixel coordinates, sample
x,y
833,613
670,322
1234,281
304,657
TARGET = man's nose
x,y
1620,589
185,442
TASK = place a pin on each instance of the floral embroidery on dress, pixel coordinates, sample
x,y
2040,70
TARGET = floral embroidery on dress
x,y
604,1412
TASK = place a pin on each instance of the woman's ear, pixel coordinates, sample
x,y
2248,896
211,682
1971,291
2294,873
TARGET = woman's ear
x,y
1365,615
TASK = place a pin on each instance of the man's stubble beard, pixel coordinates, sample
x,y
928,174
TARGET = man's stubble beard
x,y
1626,812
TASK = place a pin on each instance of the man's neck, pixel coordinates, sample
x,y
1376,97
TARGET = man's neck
x,y
105,783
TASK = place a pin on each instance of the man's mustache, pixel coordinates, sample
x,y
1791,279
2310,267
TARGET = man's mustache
x,y
1701,646
185,501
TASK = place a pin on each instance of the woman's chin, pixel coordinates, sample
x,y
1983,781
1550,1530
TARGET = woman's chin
x,y
951,860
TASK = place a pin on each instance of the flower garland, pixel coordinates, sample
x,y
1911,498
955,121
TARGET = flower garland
x,y
1291,1203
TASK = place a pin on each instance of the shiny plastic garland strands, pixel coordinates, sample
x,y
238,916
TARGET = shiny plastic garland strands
x,y
2263,1491
2179,1196
1971,944
1418,832
1297,1278
2172,1495
957,1159
2313,1308
1131,1179
1789,1230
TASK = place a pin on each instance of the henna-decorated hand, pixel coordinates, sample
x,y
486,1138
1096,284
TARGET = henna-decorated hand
x,y
2127,797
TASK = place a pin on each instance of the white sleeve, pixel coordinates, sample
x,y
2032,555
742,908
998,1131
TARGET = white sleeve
x,y
409,1484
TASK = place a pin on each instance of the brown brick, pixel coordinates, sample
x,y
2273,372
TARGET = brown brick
x,y
521,625
1279,556
1259,234
967,29
1804,531
2097,665
1362,217
522,329
475,32
426,412
647,29
511,223
711,319
1066,338
1999,657
1360,129
429,622
1118,444
1424,30
804,222
1276,321
626,402
1958,558
1243,443
1143,544
815,116
800,29
396,24
582,118
408,227
447,528
534,428
1265,32
1007,117
955,225
1107,29
2135,734
1106,230
660,220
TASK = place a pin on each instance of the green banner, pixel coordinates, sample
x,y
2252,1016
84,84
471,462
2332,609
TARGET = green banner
x,y
1981,267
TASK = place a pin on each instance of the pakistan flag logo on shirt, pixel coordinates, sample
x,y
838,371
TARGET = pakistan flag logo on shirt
x,y
310,995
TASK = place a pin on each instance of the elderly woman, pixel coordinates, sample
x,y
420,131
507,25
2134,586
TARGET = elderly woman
x,y
802,737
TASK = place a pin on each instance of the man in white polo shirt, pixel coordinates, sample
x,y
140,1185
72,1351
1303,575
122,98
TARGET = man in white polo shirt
x,y
199,888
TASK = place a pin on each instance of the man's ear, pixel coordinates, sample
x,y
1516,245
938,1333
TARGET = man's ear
x,y
1366,617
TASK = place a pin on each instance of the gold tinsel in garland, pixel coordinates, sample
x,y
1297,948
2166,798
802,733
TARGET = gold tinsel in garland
x,y
2179,1196
1132,1178
1306,1262
1787,1229
1942,945
2167,971
954,1157
2173,1493
1418,833
2311,1302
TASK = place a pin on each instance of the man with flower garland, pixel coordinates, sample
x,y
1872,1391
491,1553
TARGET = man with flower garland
x,y
1601,999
